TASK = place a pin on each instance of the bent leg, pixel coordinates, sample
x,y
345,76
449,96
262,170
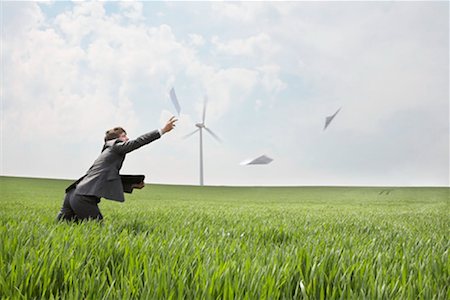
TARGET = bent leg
x,y
86,207
66,213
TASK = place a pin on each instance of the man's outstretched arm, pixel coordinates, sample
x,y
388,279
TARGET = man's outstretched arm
x,y
130,145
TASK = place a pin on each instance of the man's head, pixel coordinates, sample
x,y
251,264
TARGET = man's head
x,y
116,133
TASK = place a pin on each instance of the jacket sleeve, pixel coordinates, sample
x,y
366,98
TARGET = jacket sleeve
x,y
131,145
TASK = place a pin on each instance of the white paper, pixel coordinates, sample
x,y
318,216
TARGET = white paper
x,y
330,118
261,160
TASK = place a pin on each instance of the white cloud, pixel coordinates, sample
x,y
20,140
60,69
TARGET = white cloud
x,y
53,81
80,73
261,50
196,40
228,87
132,10
247,12
260,45
20,18
271,78
258,104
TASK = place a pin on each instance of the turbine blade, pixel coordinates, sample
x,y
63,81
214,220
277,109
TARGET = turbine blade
x,y
204,109
175,102
192,133
213,134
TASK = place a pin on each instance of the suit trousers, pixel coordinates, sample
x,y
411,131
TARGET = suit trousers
x,y
78,207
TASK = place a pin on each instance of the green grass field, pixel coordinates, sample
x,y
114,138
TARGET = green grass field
x,y
183,242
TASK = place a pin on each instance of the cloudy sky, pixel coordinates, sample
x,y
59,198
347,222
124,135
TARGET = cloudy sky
x,y
272,72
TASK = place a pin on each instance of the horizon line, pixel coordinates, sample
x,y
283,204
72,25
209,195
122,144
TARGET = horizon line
x,y
269,186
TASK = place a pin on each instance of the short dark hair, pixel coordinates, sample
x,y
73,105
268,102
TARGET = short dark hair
x,y
114,133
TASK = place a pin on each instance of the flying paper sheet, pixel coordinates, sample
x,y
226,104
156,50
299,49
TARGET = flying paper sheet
x,y
330,118
174,99
262,160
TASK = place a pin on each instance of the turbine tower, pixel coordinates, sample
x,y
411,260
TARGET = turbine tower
x,y
200,127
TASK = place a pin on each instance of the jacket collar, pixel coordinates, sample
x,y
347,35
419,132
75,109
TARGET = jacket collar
x,y
110,143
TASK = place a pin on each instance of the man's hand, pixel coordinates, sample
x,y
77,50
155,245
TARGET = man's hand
x,y
139,185
169,125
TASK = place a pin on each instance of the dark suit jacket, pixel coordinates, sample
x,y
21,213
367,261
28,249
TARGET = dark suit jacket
x,y
103,179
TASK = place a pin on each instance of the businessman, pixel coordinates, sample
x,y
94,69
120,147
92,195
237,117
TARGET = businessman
x,y
102,180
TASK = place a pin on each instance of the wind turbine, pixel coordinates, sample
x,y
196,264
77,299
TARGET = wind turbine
x,y
200,127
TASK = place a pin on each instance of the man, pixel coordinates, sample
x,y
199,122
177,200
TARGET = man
x,y
103,179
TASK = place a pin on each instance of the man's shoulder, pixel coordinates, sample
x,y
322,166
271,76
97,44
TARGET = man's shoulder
x,y
111,143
